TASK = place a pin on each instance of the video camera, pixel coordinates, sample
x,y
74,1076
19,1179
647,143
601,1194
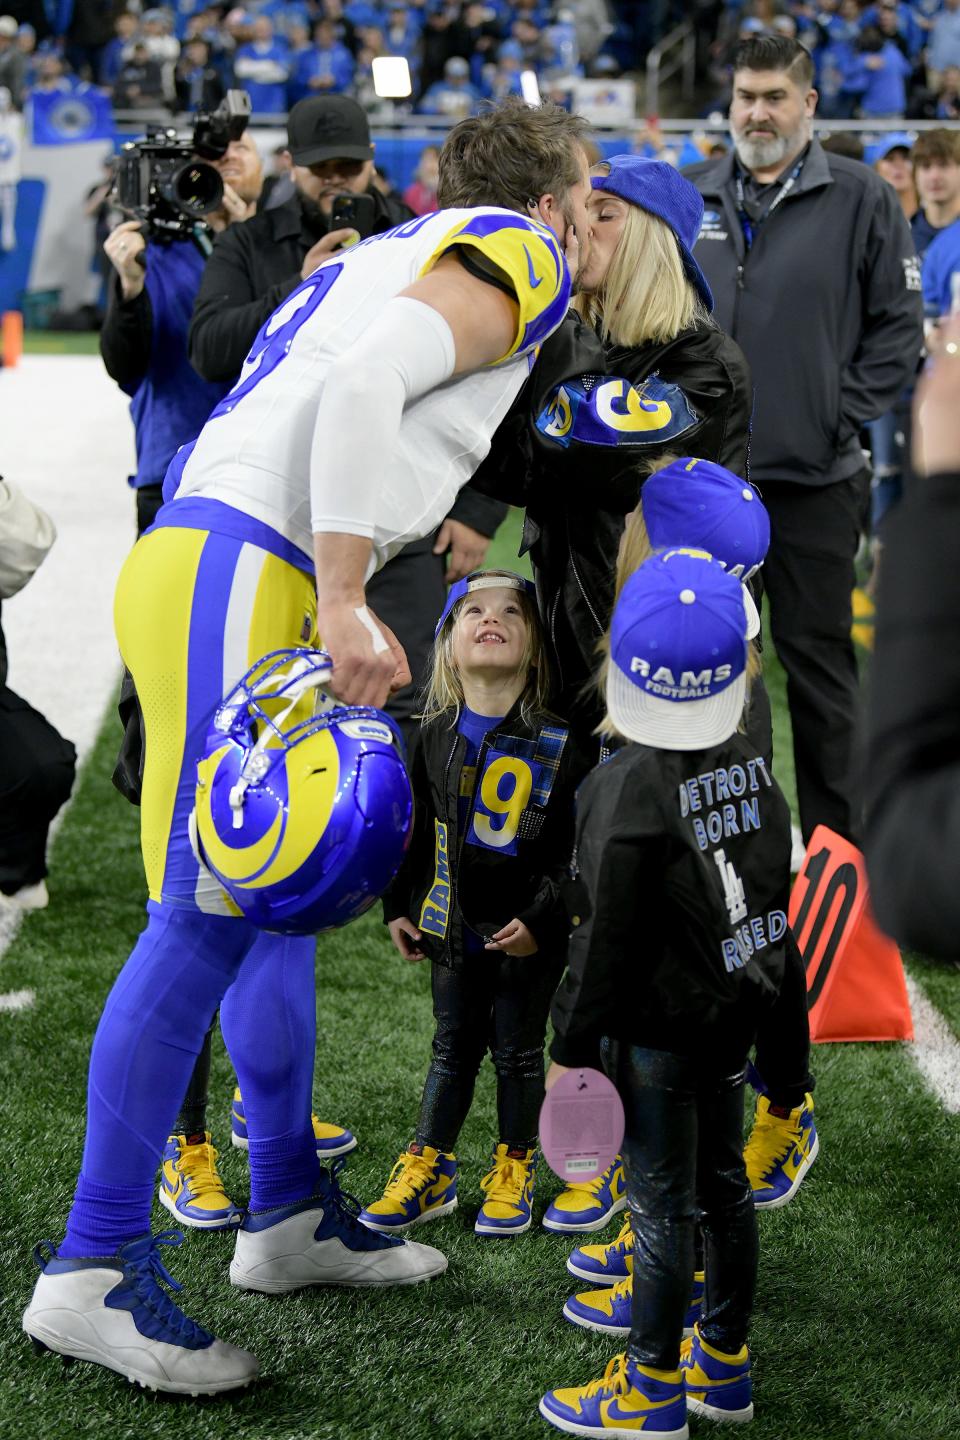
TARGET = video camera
x,y
160,180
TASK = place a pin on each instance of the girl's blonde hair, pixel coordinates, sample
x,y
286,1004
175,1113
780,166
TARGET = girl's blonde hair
x,y
443,692
635,549
646,295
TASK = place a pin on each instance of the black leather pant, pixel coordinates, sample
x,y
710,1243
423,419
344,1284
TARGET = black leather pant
x,y
495,1002
683,1160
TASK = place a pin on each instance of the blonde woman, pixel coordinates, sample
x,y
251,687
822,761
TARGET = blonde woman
x,y
639,371
493,780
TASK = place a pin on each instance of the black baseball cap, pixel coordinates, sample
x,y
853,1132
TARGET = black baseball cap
x,y
328,127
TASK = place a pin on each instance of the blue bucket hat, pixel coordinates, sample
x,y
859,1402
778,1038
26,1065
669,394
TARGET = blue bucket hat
x,y
658,188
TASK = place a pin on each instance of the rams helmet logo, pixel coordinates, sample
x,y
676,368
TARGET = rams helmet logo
x,y
303,807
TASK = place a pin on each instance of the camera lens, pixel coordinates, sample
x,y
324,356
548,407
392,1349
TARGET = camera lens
x,y
195,188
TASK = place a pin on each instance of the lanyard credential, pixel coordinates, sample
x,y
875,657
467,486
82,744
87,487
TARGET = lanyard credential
x,y
750,227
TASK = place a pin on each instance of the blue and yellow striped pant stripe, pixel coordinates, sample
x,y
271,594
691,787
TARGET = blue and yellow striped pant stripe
x,y
193,611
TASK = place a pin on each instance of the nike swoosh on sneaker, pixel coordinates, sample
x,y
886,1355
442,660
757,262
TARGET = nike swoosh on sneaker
x,y
535,280
610,1409
435,1195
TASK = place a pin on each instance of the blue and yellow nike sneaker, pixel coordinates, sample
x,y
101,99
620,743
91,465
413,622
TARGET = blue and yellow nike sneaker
x,y
332,1140
508,1208
628,1400
783,1145
422,1186
717,1385
589,1205
115,1312
609,1310
190,1184
604,1264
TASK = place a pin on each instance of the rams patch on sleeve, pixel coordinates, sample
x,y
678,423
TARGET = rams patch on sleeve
x,y
529,257
596,410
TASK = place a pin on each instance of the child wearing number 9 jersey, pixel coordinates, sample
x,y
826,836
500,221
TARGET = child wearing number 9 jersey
x,y
493,779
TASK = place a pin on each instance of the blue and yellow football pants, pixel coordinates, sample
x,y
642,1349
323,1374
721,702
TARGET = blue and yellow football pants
x,y
194,610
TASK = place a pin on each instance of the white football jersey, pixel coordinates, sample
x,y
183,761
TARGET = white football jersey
x,y
256,450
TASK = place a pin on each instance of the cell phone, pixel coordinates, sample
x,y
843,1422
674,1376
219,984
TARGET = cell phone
x,y
354,212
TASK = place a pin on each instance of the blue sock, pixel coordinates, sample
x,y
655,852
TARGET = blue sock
x,y
101,1214
283,1171
269,1024
143,1053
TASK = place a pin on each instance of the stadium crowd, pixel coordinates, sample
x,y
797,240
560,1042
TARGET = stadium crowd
x,y
887,59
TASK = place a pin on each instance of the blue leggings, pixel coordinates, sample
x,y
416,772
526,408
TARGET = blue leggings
x,y
183,966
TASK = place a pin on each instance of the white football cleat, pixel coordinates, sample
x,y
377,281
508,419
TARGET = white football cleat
x,y
320,1241
114,1312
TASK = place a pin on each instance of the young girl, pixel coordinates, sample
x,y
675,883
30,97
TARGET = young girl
x,y
682,857
493,780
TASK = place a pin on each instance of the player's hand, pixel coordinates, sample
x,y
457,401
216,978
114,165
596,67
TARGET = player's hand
x,y
368,659
122,248
405,935
553,1074
936,436
513,939
325,247
467,547
571,250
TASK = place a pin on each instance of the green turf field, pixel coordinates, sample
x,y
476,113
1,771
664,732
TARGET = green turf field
x,y
856,1332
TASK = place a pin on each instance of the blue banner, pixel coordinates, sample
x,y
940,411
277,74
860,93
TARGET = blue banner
x,y
64,117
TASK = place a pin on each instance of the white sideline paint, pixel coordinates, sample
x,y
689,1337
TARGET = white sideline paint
x,y
68,444
935,1050
17,1000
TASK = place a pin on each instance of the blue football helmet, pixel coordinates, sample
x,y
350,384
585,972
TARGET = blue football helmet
x,y
303,806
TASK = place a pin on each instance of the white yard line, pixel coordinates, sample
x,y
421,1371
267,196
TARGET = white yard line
x,y
935,1050
67,441
17,1000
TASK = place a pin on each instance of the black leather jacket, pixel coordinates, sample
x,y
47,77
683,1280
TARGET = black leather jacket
x,y
450,882
577,494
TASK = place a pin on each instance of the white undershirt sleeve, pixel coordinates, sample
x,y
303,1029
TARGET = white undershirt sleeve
x,y
408,351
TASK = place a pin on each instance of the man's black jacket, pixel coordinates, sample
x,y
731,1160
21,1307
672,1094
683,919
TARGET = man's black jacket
x,y
486,888
679,904
913,760
826,305
253,268
577,497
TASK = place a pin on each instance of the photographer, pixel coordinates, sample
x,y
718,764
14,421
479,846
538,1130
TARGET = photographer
x,y
252,270
144,337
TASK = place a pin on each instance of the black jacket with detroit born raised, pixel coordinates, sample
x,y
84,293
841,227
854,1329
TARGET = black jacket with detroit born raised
x,y
679,904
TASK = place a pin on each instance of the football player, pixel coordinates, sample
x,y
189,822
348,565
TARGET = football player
x,y
367,400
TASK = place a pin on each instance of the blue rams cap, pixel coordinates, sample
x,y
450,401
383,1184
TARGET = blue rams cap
x,y
658,188
482,580
678,653
695,502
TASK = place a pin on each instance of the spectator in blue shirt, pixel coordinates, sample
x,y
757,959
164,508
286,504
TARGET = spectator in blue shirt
x,y
941,277
325,68
453,96
118,50
505,79
887,71
262,68
936,174
944,47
